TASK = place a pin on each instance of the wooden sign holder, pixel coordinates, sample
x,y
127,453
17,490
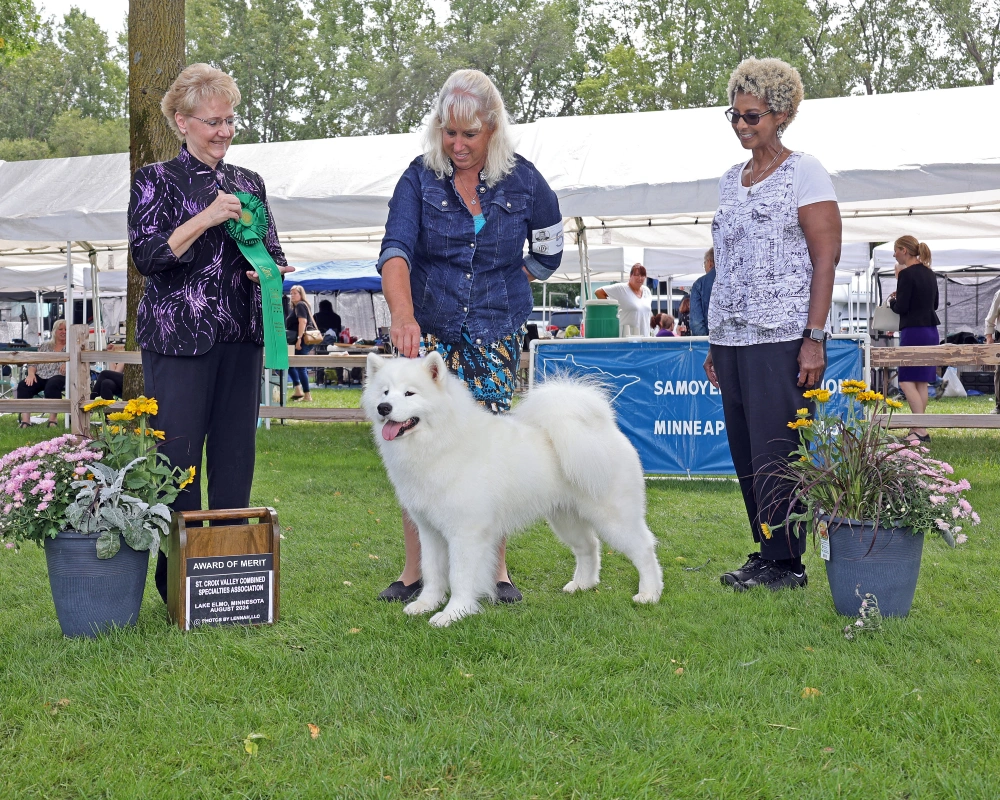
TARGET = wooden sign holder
x,y
216,546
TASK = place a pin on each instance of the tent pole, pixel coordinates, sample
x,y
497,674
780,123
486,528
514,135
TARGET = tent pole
x,y
69,321
581,243
38,314
545,302
946,308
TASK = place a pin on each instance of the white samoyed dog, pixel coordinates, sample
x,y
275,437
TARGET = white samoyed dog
x,y
469,478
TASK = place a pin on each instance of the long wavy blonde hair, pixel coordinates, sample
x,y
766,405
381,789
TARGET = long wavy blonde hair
x,y
470,99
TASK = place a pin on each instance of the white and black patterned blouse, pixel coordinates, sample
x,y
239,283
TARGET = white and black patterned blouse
x,y
762,264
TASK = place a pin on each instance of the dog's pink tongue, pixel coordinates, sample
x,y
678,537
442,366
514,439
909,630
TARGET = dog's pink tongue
x,y
390,430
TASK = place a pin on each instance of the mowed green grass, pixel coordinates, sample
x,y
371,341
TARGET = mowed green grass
x,y
560,696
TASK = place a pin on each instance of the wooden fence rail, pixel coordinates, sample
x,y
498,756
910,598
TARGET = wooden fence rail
x,y
78,360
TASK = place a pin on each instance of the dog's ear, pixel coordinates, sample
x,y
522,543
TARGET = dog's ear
x,y
434,364
374,364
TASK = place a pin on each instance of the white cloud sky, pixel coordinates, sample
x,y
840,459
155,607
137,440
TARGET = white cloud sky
x,y
110,14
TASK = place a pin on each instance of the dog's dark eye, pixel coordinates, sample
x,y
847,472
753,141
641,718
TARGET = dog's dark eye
x,y
385,392
408,394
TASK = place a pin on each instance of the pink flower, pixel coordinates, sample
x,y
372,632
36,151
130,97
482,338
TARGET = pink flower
x,y
81,470
937,499
964,504
942,525
10,545
7,508
956,512
961,539
975,518
42,506
49,476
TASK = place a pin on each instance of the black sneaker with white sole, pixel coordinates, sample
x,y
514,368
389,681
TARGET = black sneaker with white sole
x,y
755,563
775,577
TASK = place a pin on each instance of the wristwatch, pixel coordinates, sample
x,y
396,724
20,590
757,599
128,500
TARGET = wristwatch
x,y
816,334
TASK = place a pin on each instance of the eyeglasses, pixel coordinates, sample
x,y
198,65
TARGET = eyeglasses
x,y
751,117
215,123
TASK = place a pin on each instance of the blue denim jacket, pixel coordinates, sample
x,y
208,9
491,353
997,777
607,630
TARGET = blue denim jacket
x,y
461,279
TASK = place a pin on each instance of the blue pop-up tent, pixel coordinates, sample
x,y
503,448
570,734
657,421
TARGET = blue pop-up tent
x,y
335,276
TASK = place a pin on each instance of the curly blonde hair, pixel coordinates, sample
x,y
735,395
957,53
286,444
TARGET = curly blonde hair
x,y
196,83
774,81
469,98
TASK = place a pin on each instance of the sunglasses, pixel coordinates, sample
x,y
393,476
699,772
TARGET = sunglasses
x,y
751,117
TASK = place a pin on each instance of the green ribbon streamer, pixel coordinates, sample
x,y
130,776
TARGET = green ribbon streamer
x,y
248,232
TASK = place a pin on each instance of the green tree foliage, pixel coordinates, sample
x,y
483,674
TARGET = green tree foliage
x,y
355,67
19,24
69,69
972,29
378,65
73,134
267,46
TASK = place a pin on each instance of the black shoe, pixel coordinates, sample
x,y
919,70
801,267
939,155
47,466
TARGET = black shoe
x,y
399,592
775,577
507,592
754,565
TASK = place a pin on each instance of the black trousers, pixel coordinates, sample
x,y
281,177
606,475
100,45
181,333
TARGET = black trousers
x,y
759,399
52,388
108,385
208,402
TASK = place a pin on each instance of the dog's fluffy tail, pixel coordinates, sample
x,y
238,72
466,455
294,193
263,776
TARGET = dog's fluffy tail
x,y
578,418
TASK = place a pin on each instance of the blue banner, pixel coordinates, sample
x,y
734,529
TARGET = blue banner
x,y
665,404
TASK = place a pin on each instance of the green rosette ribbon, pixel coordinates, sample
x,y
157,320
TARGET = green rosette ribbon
x,y
248,232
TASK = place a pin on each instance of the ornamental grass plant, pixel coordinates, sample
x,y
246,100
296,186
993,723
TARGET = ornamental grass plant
x,y
850,467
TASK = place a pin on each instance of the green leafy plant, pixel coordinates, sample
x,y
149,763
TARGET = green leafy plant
x,y
852,467
115,485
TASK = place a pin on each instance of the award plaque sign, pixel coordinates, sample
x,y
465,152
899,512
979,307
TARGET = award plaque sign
x,y
225,573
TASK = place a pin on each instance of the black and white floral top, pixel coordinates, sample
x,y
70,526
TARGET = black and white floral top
x,y
762,264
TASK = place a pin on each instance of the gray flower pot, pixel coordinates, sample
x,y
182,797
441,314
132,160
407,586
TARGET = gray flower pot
x,y
885,562
92,595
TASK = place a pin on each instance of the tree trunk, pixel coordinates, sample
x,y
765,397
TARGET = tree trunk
x,y
155,57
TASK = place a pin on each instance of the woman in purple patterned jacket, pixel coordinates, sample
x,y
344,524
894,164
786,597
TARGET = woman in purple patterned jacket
x,y
199,323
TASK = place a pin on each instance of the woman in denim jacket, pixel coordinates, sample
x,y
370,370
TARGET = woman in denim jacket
x,y
454,270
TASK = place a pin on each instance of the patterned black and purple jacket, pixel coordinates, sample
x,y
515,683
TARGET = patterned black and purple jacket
x,y
204,296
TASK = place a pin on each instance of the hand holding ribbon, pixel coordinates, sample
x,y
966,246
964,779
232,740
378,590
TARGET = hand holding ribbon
x,y
248,232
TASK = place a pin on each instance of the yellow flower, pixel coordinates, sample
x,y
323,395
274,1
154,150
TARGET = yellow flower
x,y
766,530
115,428
893,403
156,434
819,395
802,412
849,389
852,384
100,403
142,405
800,423
803,458
121,416
189,479
870,397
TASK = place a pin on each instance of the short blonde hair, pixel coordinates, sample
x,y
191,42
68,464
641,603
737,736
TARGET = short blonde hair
x,y
469,97
772,80
192,87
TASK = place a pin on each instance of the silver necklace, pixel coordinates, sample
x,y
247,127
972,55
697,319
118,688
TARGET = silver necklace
x,y
475,200
764,171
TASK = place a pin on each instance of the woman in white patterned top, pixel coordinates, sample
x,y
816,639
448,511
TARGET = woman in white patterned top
x,y
48,378
777,237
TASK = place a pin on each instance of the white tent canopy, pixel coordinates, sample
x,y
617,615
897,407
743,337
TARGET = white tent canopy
x,y
948,253
944,183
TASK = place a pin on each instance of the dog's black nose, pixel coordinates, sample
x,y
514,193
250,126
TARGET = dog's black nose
x,y
385,409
